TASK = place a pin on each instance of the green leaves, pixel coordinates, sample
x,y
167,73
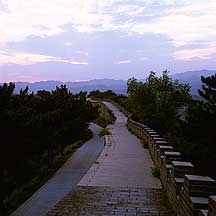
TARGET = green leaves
x,y
33,124
158,100
209,92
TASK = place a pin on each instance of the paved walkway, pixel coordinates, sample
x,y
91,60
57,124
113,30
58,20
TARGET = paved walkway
x,y
123,162
109,201
120,181
65,179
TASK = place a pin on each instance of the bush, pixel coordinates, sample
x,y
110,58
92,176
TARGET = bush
x,y
71,148
35,129
104,132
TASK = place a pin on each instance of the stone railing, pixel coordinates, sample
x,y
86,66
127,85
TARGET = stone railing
x,y
188,194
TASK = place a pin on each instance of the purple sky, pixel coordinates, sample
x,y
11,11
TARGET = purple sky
x,y
88,39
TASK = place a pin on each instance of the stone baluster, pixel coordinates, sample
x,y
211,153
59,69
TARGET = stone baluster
x,y
146,134
212,206
159,151
167,165
176,180
194,194
155,139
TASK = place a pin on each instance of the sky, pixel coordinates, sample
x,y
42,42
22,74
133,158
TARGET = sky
x,y
74,40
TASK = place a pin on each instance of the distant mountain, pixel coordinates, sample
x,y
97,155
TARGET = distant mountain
x,y
118,86
193,78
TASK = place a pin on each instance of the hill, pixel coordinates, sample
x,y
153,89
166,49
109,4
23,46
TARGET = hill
x,y
193,78
118,86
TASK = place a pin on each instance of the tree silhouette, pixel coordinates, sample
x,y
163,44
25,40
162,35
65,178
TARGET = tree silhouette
x,y
37,126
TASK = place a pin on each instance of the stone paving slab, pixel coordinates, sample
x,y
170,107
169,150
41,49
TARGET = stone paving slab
x,y
124,201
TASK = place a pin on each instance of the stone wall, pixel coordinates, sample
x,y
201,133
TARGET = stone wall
x,y
188,194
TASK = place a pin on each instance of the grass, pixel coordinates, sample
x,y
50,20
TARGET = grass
x,y
71,148
102,122
106,116
104,131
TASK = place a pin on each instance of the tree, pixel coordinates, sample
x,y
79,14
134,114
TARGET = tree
x,y
6,91
35,128
199,128
209,92
158,101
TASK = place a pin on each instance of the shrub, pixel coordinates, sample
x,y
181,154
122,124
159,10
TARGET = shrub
x,y
155,171
70,148
104,132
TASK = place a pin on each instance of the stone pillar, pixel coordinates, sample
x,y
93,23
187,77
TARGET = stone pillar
x,y
159,151
212,206
140,130
155,139
166,166
151,141
176,180
145,138
172,156
194,194
203,213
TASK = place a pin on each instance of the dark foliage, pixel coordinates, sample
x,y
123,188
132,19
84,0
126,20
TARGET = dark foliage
x,y
158,102
36,127
112,96
199,129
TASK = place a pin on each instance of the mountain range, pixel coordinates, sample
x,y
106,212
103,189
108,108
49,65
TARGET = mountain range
x,y
119,86
193,78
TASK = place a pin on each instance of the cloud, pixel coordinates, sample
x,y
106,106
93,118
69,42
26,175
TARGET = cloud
x,y
31,18
68,44
82,52
29,59
124,62
191,54
3,7
143,58
183,22
183,25
78,63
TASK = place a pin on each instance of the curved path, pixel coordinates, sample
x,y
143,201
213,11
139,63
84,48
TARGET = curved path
x,y
119,183
124,162
65,179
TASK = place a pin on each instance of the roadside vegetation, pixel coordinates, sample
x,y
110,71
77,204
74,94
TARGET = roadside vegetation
x,y
38,133
167,106
104,132
105,117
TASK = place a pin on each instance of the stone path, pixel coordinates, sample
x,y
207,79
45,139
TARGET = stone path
x,y
120,181
106,201
123,162
65,179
